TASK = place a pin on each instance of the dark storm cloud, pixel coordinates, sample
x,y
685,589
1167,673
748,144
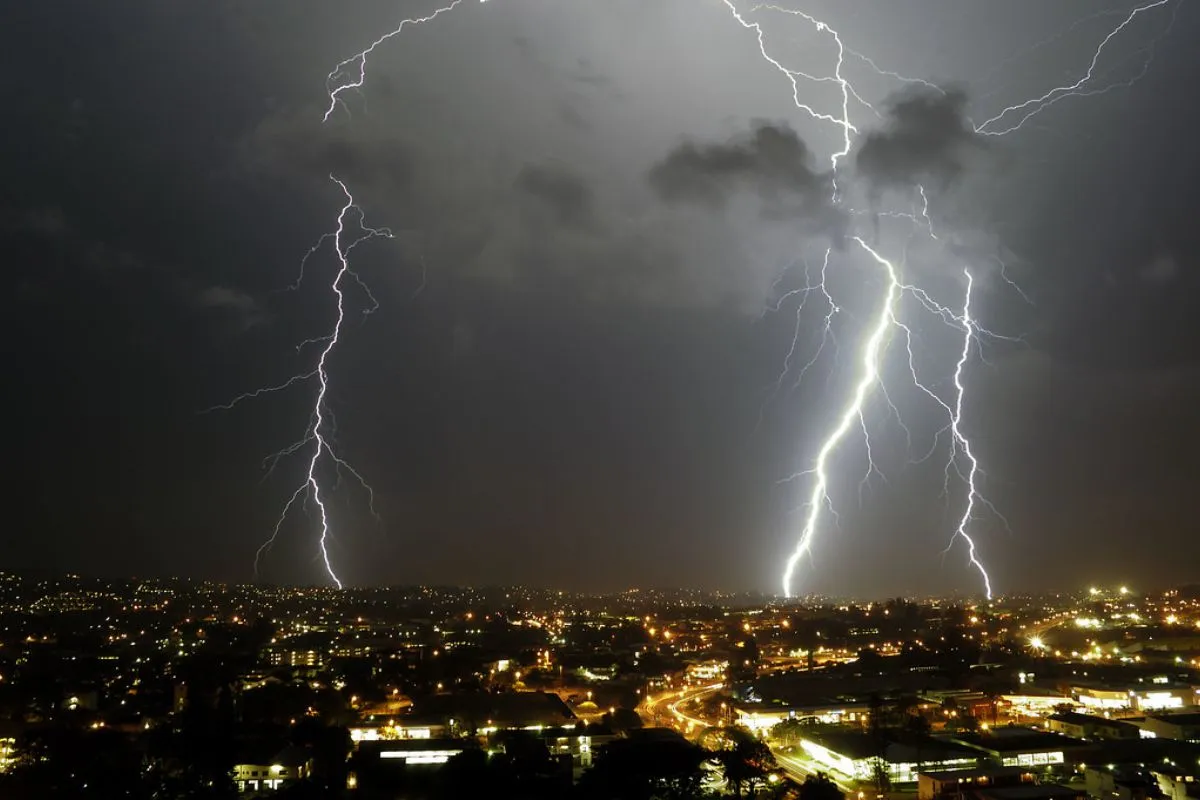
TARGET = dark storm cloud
x,y
61,256
771,160
238,309
926,138
565,194
364,155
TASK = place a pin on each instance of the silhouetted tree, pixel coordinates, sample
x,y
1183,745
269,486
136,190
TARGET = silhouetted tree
x,y
746,764
641,769
820,787
465,775
623,719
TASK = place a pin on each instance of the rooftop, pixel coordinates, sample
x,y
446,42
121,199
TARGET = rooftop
x,y
1027,791
1013,740
974,772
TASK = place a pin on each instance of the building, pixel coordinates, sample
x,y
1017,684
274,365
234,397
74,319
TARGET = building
x,y
485,713
1023,747
9,754
397,729
857,756
1184,727
1039,791
1090,726
574,745
296,658
1178,784
1099,698
958,783
762,716
413,752
255,773
1136,697
1109,784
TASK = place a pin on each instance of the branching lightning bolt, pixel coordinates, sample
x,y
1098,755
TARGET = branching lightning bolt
x,y
347,76
1026,110
964,444
321,444
351,73
319,433
886,321
819,496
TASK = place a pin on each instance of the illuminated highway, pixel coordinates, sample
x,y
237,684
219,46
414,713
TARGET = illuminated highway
x,y
665,708
799,770
652,710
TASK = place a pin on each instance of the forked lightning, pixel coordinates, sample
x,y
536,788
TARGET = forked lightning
x,y
350,75
886,322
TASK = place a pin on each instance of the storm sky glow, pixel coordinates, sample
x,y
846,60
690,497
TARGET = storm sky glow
x,y
573,374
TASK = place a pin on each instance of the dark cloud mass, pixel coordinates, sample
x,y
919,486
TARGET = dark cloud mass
x,y
925,137
565,194
770,160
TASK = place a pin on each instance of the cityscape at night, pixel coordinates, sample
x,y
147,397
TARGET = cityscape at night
x,y
173,688
377,368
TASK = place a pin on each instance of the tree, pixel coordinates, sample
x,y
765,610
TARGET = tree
x,y
640,769
881,774
820,787
623,719
963,722
747,763
916,730
787,731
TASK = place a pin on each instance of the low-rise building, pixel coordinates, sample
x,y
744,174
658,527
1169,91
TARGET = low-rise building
x,y
763,716
1023,747
858,756
957,783
1178,783
255,773
1090,726
413,752
1110,784
1184,727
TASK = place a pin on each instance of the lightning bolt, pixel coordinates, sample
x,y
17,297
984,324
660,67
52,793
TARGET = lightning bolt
x,y
1028,109
316,431
964,444
319,433
819,497
349,75
886,320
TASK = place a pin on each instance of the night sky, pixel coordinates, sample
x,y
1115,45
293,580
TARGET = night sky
x,y
570,378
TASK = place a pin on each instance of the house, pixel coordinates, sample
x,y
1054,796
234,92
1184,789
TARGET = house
x,y
255,773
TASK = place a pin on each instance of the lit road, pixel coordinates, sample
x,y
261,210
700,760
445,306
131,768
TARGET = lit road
x,y
799,770
653,708
667,707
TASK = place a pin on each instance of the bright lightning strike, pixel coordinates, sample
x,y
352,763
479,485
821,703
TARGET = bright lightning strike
x,y
819,497
964,444
886,321
319,434
321,443
348,75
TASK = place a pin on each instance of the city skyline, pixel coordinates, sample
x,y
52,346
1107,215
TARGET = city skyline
x,y
578,360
